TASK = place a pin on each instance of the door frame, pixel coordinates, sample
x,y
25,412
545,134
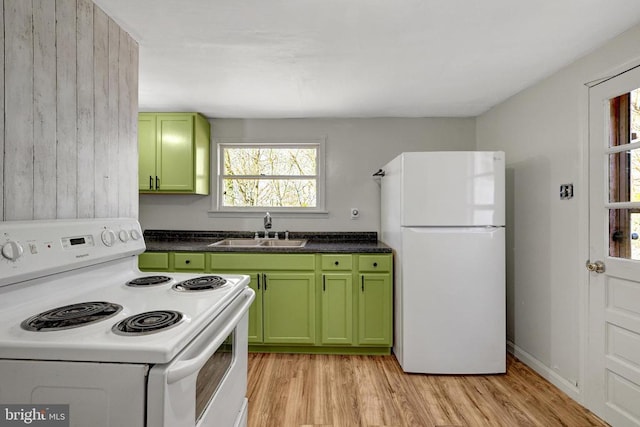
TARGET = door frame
x,y
584,219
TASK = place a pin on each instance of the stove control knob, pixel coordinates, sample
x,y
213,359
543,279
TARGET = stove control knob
x,y
124,236
108,237
12,250
135,235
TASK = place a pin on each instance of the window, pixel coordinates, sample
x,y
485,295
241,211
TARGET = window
x,y
624,175
279,176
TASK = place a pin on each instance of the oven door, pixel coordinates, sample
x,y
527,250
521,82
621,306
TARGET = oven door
x,y
206,384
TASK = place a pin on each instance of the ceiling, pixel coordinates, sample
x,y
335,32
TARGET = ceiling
x,y
356,58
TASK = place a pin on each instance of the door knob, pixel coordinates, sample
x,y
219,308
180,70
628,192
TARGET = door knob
x,y
597,266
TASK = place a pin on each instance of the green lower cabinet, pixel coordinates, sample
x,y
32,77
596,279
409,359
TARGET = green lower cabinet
x,y
337,308
188,262
288,304
153,261
172,261
255,329
305,303
255,311
283,312
374,309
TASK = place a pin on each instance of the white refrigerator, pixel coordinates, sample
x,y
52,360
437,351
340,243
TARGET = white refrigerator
x,y
443,213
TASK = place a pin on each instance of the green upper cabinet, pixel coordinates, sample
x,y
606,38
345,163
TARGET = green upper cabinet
x,y
146,152
173,151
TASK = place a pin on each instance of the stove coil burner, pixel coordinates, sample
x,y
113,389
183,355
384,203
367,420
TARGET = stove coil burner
x,y
71,316
203,283
148,322
148,281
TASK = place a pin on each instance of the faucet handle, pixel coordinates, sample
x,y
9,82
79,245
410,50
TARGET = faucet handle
x,y
286,235
276,236
267,221
256,236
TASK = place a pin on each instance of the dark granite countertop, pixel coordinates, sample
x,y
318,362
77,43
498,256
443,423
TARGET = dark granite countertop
x,y
317,242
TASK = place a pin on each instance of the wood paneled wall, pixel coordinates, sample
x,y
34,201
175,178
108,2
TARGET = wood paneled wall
x,y
68,145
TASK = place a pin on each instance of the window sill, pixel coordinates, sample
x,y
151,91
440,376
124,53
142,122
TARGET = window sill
x,y
260,214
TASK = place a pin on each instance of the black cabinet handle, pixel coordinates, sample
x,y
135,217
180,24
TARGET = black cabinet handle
x,y
375,264
264,279
157,183
150,182
362,280
324,283
188,261
258,276
337,263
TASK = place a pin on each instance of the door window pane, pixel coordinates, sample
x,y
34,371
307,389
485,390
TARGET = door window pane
x,y
624,175
624,233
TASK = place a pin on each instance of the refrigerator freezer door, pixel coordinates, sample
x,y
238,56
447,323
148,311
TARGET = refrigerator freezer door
x,y
453,300
464,188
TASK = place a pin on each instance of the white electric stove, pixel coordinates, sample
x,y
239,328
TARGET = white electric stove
x,y
80,325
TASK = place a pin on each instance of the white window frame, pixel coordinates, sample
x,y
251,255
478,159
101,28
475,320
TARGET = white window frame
x,y
318,143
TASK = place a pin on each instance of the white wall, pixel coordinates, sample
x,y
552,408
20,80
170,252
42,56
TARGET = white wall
x,y
69,103
355,149
543,132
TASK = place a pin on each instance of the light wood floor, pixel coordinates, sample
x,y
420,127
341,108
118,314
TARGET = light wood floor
x,y
287,390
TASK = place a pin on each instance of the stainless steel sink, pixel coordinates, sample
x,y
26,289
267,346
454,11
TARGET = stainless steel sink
x,y
255,243
284,243
237,242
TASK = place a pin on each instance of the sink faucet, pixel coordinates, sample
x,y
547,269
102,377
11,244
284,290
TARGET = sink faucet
x,y
267,224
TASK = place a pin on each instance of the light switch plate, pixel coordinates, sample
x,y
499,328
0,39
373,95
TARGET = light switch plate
x,y
566,191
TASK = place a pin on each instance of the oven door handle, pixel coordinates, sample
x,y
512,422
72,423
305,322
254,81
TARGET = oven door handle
x,y
184,368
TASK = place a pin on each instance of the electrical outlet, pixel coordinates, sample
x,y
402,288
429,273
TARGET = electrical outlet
x,y
355,213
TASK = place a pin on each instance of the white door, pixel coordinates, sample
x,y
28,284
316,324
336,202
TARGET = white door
x,y
612,388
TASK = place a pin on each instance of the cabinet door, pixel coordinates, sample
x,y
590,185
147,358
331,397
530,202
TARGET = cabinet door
x,y
337,309
255,311
175,152
375,263
289,308
336,262
146,152
153,261
188,261
374,309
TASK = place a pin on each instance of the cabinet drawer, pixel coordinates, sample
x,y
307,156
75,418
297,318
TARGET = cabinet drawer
x,y
289,262
337,262
374,263
153,261
188,261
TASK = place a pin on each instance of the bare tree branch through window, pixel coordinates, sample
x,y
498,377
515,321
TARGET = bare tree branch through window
x,y
269,176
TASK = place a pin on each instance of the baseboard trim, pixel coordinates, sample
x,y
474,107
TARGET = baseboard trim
x,y
572,390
